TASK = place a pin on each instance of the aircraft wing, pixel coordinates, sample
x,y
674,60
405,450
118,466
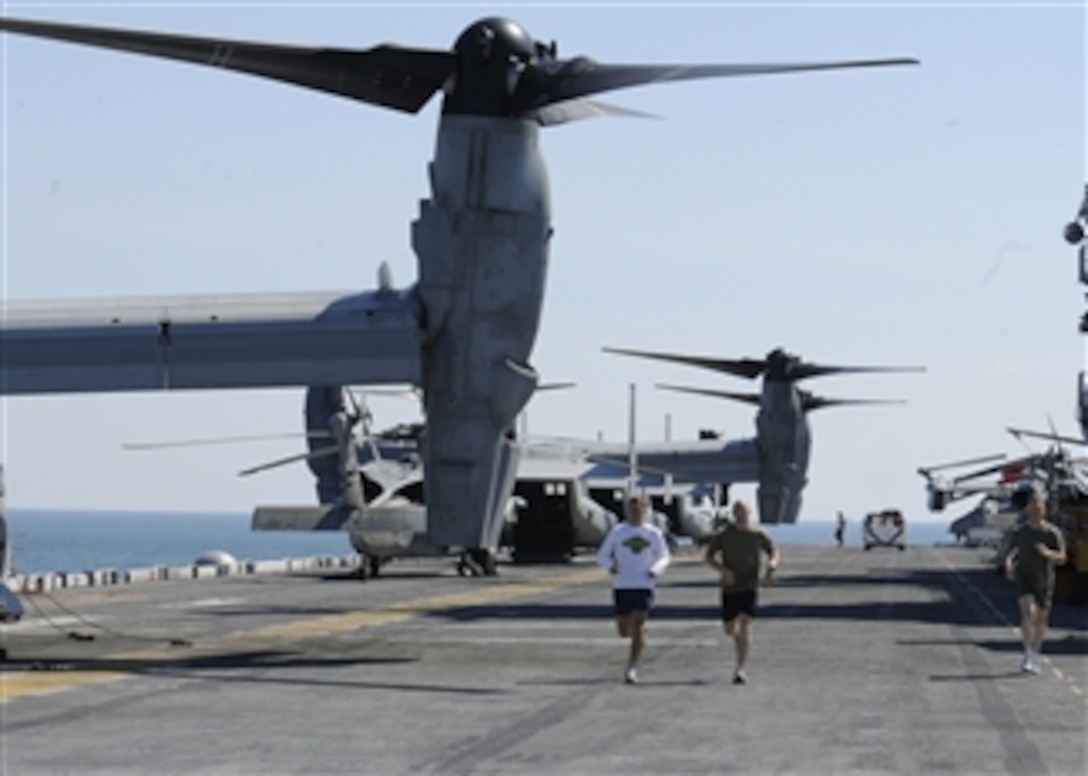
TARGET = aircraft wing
x,y
240,341
703,461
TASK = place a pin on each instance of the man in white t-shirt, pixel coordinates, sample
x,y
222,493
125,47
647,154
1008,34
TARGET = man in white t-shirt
x,y
635,554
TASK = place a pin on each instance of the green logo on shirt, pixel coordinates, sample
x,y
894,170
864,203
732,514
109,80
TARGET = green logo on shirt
x,y
636,544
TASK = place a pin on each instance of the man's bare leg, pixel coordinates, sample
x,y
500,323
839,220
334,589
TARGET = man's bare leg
x,y
1030,633
638,637
623,625
1041,616
1027,622
744,640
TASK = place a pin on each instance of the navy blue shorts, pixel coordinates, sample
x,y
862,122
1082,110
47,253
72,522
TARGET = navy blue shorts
x,y
738,602
627,601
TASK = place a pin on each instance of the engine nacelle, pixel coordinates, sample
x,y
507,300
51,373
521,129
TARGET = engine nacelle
x,y
784,443
482,245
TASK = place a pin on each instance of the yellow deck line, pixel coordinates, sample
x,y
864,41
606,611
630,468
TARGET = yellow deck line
x,y
21,684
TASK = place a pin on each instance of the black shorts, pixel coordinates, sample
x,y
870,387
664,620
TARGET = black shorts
x,y
1040,590
738,602
627,601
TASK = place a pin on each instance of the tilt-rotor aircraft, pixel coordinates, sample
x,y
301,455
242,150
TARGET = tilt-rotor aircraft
x,y
777,457
464,332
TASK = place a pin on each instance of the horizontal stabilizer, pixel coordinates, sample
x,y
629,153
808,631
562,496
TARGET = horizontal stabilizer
x,y
301,518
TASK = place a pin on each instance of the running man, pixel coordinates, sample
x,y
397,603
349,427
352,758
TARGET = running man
x,y
635,554
734,552
1035,548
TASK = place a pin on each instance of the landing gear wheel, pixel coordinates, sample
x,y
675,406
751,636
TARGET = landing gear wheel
x,y
362,571
467,567
374,566
485,561
477,563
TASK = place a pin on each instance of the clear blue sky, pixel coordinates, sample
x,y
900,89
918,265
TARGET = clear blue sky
x,y
907,215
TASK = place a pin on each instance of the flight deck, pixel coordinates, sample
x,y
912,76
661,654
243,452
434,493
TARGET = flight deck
x,y
863,662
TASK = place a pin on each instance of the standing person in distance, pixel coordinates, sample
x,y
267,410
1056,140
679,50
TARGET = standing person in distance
x,y
635,554
735,553
1035,548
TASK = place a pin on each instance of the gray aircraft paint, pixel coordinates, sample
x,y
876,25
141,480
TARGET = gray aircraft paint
x,y
482,244
239,341
10,607
481,241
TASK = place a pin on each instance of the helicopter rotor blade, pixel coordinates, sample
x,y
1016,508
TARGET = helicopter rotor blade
x,y
803,370
925,471
321,452
810,402
745,367
388,76
405,78
1051,437
580,109
747,398
557,81
142,446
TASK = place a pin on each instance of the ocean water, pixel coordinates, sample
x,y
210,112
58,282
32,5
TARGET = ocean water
x,y
54,540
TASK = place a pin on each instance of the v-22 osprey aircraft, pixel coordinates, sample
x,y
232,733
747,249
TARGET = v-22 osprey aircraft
x,y
464,332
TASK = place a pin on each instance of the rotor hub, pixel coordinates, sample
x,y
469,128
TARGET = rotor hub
x,y
493,57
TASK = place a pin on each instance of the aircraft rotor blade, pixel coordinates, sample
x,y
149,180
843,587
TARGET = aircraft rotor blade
x,y
810,402
925,471
222,440
1048,436
555,386
747,398
412,393
1013,465
558,81
803,371
390,76
321,452
745,367
579,109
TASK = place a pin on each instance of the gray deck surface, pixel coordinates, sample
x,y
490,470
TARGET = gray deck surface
x,y
864,662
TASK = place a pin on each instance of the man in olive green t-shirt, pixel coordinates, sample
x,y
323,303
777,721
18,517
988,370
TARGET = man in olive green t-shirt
x,y
735,553
1035,548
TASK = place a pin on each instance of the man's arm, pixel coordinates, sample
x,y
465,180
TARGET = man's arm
x,y
773,556
710,557
661,554
605,552
713,550
1010,558
1055,555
